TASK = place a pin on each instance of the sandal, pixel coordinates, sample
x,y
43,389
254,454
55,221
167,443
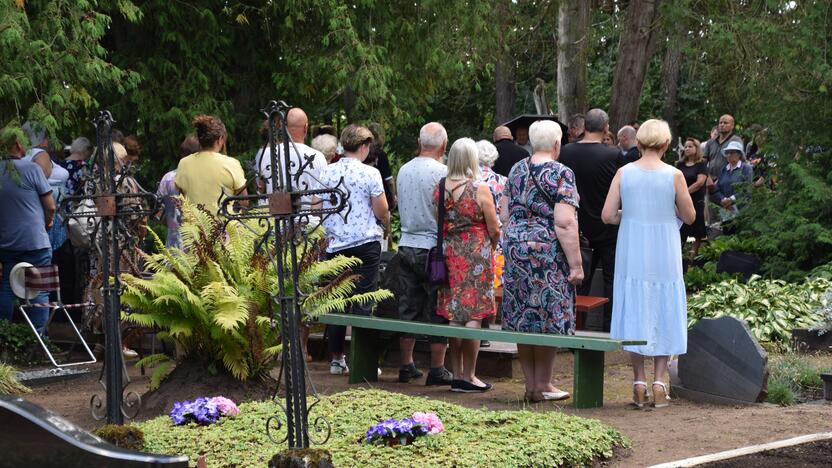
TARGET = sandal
x,y
640,396
660,398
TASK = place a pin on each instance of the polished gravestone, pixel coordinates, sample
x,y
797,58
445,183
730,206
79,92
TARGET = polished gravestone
x,y
724,363
33,436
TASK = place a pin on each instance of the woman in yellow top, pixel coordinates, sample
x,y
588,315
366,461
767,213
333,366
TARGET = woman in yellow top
x,y
204,177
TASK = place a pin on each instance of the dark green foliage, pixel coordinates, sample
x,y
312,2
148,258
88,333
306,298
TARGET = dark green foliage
x,y
698,278
780,393
18,344
472,437
127,437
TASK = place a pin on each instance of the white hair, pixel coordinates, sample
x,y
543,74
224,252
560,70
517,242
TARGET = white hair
x,y
486,153
626,130
432,135
545,135
81,145
326,144
462,159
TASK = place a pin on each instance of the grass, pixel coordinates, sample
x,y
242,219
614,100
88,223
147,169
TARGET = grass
x,y
8,381
472,437
794,378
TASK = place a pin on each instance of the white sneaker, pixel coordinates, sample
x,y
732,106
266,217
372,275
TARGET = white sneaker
x,y
339,367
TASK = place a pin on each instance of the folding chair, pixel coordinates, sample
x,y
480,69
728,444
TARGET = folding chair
x,y
45,278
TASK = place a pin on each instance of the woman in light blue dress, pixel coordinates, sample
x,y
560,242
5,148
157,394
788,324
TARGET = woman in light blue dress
x,y
649,198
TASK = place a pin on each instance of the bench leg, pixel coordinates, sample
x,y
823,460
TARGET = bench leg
x,y
364,355
588,388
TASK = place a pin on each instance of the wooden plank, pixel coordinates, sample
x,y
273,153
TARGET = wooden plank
x,y
587,303
418,328
588,383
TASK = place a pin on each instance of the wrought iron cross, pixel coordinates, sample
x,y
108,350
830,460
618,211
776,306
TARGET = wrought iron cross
x,y
104,208
288,211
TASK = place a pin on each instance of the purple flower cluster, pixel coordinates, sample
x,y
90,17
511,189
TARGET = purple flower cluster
x,y
203,411
394,429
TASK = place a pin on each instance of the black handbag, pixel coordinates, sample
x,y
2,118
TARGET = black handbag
x,y
586,251
435,268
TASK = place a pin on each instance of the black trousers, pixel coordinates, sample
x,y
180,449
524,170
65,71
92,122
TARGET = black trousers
x,y
603,255
370,256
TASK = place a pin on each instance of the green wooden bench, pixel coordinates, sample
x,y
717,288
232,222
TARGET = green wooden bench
x,y
588,387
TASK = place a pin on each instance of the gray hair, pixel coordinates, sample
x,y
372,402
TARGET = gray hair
x,y
545,135
627,131
486,153
81,145
596,120
462,159
326,144
432,135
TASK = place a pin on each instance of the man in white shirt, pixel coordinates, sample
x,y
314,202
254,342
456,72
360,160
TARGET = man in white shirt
x,y
415,184
297,125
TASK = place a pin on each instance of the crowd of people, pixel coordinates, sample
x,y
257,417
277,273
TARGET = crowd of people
x,y
525,196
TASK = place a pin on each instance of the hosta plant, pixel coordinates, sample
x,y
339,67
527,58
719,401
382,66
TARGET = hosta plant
x,y
772,308
213,296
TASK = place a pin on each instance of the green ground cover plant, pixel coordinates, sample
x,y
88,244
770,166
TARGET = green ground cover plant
x,y
793,379
472,437
772,308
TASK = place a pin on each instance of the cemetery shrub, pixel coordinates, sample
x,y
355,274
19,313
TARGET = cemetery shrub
x,y
472,437
18,344
771,308
9,383
793,379
213,297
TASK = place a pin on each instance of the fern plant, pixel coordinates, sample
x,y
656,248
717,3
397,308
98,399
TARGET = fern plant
x,y
213,296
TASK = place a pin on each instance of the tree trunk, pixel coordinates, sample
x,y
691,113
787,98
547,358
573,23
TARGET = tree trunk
x,y
634,54
573,48
671,72
504,71
505,88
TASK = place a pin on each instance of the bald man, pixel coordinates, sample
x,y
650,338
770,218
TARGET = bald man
x,y
297,125
714,147
509,152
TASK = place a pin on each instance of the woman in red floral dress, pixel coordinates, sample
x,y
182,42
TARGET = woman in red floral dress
x,y
471,232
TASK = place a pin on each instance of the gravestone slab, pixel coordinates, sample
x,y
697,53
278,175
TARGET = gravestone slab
x,y
724,360
31,436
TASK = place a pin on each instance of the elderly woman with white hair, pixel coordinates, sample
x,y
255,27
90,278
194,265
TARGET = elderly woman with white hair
x,y
487,156
542,254
471,231
645,198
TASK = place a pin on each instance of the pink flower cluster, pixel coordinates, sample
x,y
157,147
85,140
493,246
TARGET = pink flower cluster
x,y
431,421
226,406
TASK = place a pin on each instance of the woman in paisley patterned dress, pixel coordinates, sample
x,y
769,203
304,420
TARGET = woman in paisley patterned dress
x,y
542,254
471,232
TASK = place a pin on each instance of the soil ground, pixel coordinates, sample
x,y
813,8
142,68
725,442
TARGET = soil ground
x,y
685,429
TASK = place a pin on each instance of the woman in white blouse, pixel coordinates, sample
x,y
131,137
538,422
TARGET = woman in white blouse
x,y
361,234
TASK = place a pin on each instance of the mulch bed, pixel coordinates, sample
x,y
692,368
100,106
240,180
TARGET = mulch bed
x,y
812,454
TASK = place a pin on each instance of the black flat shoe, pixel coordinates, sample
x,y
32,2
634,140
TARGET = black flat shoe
x,y
442,378
462,386
406,374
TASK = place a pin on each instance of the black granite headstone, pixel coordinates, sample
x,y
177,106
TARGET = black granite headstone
x,y
33,436
724,360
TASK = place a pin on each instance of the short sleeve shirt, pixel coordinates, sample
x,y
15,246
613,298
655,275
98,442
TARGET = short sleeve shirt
x,y
691,173
205,177
415,184
307,180
22,225
361,227
531,217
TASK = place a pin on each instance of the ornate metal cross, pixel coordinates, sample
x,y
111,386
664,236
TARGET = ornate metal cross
x,y
288,211
105,208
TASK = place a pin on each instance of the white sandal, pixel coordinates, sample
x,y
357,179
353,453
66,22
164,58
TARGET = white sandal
x,y
660,399
640,398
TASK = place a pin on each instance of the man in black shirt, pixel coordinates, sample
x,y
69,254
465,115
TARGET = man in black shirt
x,y
509,153
595,165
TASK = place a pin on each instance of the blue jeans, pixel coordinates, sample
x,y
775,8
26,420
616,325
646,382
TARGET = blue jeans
x,y
10,258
